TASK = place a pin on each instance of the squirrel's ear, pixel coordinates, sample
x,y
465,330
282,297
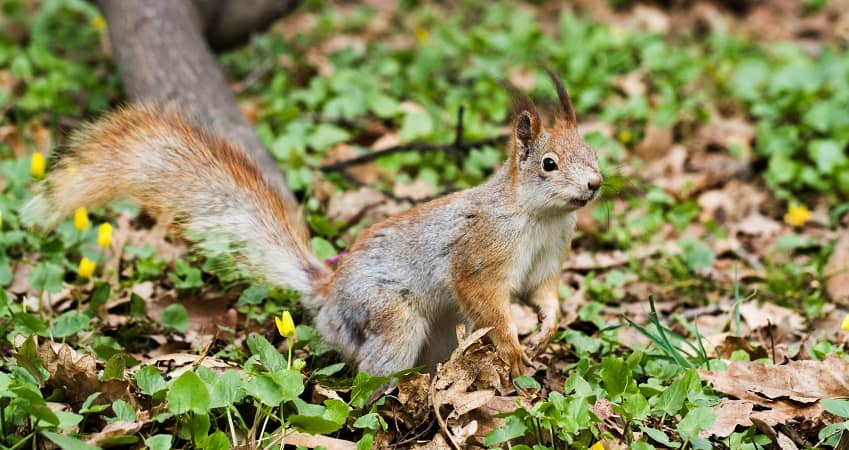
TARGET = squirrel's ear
x,y
526,131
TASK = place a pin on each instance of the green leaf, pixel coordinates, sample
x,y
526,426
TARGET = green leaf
x,y
67,442
68,324
827,154
370,421
290,382
513,428
253,295
696,254
159,442
641,445
364,385
123,411
268,354
325,135
47,277
150,381
188,393
671,400
416,125
660,437
323,249
226,390
176,317
615,376
114,368
696,420
839,408
317,419
267,390
217,441
329,370
527,383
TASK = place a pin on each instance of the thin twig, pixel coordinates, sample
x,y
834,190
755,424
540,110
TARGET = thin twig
x,y
442,425
458,145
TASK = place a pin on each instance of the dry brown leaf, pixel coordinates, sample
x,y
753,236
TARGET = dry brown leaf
x,y
729,414
522,78
837,270
468,380
208,313
116,429
350,205
759,315
77,375
655,144
804,381
366,173
756,224
177,363
307,440
413,396
417,190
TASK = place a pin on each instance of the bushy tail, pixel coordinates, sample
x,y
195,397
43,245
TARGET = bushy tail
x,y
216,192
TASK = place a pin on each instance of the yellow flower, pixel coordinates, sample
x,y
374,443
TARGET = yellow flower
x,y
99,23
845,324
422,34
285,324
104,235
598,446
37,165
625,136
81,219
86,269
797,215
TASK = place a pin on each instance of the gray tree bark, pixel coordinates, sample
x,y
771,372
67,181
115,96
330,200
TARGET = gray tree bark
x,y
163,57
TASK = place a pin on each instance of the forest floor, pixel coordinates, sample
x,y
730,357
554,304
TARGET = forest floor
x,y
704,304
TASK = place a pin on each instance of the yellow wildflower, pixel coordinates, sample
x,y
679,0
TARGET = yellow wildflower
x,y
625,137
285,324
797,215
37,165
99,23
845,324
598,446
86,269
81,219
422,34
104,235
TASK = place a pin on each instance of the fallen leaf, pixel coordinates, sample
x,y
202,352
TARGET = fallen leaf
x,y
758,315
115,429
300,439
350,205
805,381
730,414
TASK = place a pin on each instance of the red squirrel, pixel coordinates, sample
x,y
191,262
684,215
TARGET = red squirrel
x,y
394,300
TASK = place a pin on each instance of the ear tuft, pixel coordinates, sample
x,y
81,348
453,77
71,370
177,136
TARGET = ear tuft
x,y
565,101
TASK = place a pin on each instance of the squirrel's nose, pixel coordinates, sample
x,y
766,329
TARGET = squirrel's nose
x,y
594,184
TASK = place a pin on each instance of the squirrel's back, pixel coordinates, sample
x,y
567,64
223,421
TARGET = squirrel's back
x,y
216,193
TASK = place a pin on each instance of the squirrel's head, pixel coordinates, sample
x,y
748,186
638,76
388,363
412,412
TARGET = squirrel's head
x,y
551,168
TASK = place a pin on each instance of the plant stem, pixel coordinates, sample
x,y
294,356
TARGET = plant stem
x,y
232,428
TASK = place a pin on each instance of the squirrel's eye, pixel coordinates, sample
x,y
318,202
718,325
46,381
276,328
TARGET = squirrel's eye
x,y
548,165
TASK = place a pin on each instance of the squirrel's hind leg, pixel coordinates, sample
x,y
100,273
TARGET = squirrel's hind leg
x,y
382,337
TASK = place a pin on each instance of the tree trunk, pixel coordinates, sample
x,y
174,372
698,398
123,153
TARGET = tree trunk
x,y
160,50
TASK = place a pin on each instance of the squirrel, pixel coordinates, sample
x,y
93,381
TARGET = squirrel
x,y
394,299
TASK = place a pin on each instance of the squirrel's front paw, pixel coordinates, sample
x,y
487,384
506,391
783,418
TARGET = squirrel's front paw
x,y
515,358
